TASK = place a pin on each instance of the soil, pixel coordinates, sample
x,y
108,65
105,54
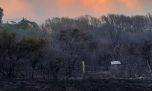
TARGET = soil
x,y
77,85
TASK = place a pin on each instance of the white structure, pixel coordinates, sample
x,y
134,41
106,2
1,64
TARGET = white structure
x,y
115,68
115,62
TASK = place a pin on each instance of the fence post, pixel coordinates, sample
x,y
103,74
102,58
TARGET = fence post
x,y
83,69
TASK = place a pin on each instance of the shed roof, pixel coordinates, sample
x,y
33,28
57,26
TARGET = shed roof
x,y
115,62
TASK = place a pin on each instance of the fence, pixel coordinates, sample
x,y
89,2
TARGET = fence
x,y
75,72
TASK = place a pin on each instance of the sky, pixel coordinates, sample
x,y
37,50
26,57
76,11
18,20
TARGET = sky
x,y
40,10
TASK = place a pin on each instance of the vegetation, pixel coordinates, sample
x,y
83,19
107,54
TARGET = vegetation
x,y
1,14
55,49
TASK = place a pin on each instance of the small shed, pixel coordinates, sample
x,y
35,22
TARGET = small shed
x,y
115,68
115,63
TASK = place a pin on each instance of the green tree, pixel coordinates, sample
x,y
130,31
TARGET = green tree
x,y
34,49
1,14
8,58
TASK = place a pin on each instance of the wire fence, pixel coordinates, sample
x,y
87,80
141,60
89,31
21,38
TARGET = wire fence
x,y
63,73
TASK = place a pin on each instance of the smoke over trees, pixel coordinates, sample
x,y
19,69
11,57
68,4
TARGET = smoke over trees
x,y
56,48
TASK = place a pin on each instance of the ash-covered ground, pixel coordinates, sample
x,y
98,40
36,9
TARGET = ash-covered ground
x,y
85,85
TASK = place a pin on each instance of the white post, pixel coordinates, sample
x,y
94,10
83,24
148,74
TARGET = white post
x,y
83,68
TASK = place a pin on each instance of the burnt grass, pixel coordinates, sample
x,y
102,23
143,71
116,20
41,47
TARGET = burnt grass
x,y
77,85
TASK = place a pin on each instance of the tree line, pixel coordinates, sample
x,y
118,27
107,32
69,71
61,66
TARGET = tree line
x,y
55,48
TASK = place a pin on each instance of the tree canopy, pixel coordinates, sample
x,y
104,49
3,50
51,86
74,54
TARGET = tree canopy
x,y
1,14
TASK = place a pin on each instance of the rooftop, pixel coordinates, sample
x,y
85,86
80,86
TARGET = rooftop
x,y
115,62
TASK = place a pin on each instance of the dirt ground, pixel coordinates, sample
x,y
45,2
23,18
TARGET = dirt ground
x,y
85,85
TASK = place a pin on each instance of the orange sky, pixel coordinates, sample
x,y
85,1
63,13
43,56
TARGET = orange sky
x,y
42,9
15,8
99,7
